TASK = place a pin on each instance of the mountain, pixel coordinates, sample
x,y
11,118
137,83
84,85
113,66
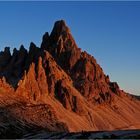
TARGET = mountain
x,y
58,87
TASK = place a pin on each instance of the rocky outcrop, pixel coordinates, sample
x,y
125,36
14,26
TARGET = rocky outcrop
x,y
33,84
60,85
61,45
87,75
12,67
4,86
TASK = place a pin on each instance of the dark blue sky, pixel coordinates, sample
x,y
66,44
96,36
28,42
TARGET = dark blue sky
x,y
110,31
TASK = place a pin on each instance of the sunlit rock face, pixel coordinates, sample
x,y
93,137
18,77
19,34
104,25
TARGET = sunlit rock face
x,y
58,87
88,77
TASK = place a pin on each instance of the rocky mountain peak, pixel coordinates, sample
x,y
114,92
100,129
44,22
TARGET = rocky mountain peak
x,y
22,49
60,87
60,39
60,29
59,48
7,50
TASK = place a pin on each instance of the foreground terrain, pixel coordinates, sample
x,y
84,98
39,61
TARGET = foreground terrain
x,y
122,134
58,88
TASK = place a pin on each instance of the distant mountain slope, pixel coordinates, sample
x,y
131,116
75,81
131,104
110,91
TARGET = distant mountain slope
x,y
57,87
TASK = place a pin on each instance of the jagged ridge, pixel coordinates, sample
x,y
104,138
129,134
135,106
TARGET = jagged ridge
x,y
68,81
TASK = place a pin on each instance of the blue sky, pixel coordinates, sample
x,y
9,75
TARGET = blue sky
x,y
110,31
